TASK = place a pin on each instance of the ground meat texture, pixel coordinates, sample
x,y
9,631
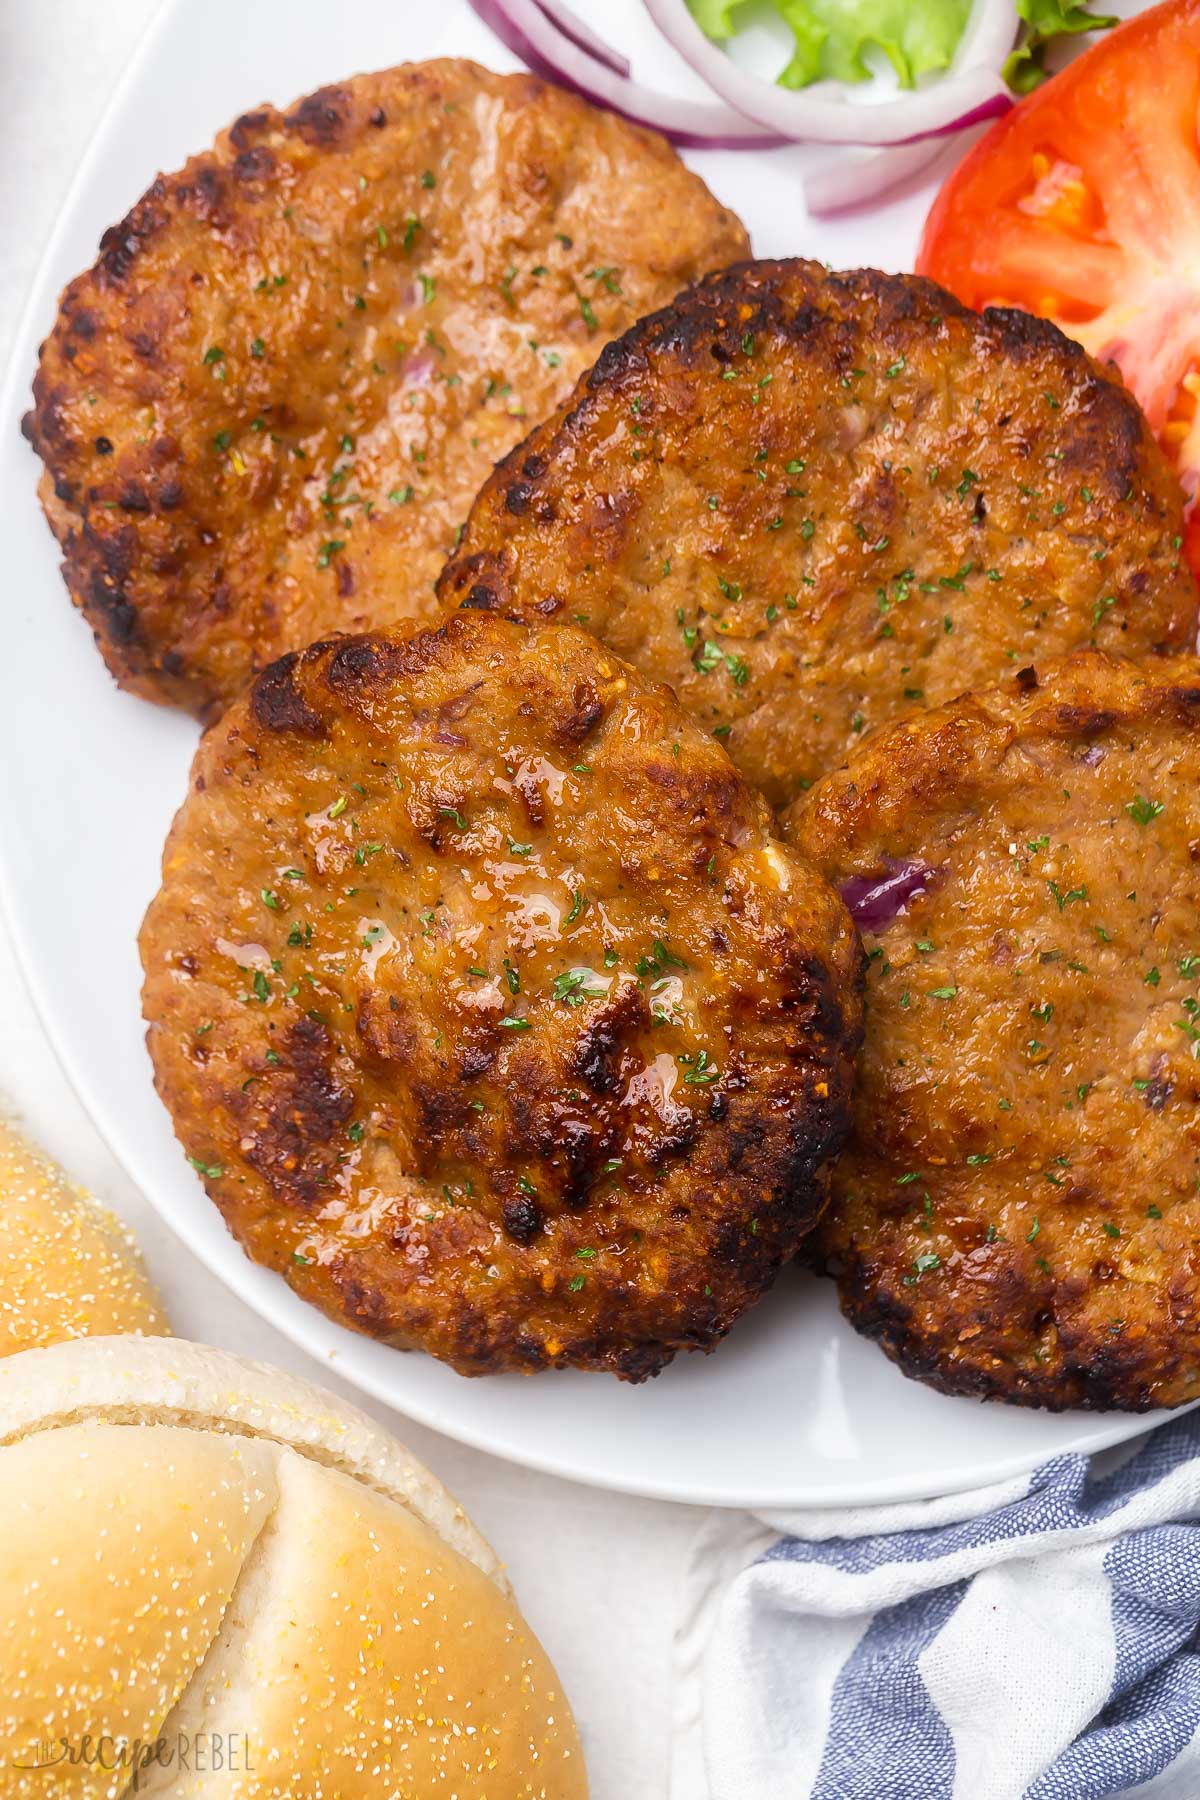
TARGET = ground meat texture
x,y
814,503
1018,1213
265,410
488,1006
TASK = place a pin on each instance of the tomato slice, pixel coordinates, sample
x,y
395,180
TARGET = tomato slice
x,y
1083,204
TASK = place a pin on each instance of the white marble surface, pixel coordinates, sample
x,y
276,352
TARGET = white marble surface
x,y
597,1573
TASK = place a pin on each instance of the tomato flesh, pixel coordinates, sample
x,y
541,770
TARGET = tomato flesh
x,y
1083,204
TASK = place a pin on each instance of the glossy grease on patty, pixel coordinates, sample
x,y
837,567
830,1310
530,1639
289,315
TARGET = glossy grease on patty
x,y
1018,1212
265,410
816,502
488,1006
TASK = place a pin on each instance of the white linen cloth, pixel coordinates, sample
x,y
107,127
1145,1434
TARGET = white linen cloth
x,y
1036,1640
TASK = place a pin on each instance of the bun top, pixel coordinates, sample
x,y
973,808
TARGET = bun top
x,y
235,1584
67,1268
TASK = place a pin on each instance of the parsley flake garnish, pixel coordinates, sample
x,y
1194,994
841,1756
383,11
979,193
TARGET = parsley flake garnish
x,y
702,1071
212,1171
1143,811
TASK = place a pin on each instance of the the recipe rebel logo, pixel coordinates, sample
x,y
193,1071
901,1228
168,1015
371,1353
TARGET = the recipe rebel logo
x,y
205,1752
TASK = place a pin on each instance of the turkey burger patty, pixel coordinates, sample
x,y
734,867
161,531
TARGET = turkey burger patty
x,y
488,1006
814,503
1018,1211
265,410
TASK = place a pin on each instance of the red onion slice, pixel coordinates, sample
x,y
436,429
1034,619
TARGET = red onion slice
x,y
417,369
972,90
855,175
876,901
533,36
584,38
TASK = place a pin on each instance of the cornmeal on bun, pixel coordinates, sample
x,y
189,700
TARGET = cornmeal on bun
x,y
206,1562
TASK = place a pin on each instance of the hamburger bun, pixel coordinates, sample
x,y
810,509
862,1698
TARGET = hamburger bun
x,y
224,1581
68,1269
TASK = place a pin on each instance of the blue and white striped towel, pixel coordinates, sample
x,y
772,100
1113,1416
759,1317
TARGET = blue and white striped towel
x,y
1038,1640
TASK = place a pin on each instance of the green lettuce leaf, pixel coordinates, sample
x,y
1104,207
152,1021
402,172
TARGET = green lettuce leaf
x,y
715,17
832,36
916,36
1046,20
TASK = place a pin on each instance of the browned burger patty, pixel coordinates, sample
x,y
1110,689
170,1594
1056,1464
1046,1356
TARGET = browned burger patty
x,y
814,502
1017,1214
489,1008
265,411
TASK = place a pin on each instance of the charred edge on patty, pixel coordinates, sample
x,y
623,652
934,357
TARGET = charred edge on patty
x,y
1105,1377
277,704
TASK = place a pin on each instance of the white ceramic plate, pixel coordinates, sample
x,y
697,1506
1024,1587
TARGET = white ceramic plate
x,y
794,1409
